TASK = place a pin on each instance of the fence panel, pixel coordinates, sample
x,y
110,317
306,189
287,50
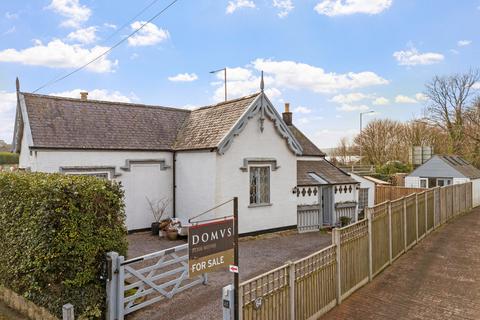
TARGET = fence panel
x,y
267,296
315,284
421,220
380,238
443,205
354,261
469,196
430,209
411,222
449,195
386,193
398,225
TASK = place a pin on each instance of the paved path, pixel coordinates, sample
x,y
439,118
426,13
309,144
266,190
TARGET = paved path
x,y
8,314
437,279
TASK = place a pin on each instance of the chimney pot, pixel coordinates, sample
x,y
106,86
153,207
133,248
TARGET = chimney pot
x,y
287,115
83,95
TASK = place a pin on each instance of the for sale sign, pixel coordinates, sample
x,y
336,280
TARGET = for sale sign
x,y
210,247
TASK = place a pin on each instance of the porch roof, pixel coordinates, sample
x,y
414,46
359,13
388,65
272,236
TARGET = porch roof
x,y
324,170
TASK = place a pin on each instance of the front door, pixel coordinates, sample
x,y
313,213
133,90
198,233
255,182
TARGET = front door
x,y
327,205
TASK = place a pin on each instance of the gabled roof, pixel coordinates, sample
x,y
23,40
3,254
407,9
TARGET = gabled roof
x,y
58,122
461,165
309,148
322,168
65,123
205,127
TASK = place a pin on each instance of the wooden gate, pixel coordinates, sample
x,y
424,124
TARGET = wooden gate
x,y
139,282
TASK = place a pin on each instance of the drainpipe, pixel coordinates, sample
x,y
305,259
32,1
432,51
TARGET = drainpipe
x,y
174,168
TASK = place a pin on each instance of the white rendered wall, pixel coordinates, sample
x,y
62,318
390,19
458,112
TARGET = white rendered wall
x,y
412,182
365,183
25,159
195,180
346,197
231,181
143,180
476,192
308,199
460,180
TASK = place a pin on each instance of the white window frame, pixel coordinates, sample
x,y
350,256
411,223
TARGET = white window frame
x,y
259,203
426,182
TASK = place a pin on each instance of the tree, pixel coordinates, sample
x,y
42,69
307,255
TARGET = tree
x,y
448,101
344,152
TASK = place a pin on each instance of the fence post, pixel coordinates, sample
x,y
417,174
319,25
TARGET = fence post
x,y
120,286
227,302
336,241
291,284
67,312
416,216
405,222
370,262
112,285
390,253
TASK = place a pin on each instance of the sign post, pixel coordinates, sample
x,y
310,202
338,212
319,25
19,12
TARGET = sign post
x,y
236,279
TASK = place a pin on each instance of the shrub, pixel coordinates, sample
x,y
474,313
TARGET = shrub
x,y
54,232
8,158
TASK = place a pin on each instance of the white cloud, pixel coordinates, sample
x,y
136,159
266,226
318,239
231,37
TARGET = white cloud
x,y
303,110
11,30
74,12
86,35
454,51
352,107
346,7
412,57
476,86
11,16
380,101
350,97
421,97
327,138
238,4
285,6
464,43
8,103
110,25
149,35
184,77
97,94
57,54
404,99
296,75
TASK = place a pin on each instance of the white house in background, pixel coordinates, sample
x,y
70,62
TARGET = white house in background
x,y
444,170
366,191
197,159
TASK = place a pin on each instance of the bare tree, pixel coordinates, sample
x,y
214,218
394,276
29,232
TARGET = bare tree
x,y
158,207
448,100
343,153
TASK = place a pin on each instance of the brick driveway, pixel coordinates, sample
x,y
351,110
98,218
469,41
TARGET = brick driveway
x,y
256,257
438,279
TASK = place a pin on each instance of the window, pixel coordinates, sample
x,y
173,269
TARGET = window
x,y
362,198
423,183
259,185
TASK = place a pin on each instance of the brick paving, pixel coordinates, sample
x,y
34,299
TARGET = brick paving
x,y
438,279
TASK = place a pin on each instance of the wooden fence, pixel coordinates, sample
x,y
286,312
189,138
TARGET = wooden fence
x,y
309,287
390,193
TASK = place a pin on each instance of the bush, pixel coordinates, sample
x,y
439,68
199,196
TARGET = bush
x,y
8,158
54,232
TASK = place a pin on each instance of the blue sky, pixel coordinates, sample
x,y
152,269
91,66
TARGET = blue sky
x,y
331,59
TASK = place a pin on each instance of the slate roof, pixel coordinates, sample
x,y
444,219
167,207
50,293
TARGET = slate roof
x,y
205,127
309,148
324,169
58,122
461,165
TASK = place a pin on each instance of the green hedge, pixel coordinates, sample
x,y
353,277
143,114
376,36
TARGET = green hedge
x,y
54,232
8,158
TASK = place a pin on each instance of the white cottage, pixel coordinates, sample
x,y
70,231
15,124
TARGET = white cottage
x,y
197,159
444,170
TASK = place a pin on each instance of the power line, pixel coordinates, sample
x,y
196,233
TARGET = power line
x,y
129,21
107,51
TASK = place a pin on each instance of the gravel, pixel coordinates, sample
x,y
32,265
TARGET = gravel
x,y
257,255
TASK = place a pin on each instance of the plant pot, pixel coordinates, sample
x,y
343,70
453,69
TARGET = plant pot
x,y
172,235
155,228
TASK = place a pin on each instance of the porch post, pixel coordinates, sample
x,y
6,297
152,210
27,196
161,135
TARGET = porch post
x,y
112,284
